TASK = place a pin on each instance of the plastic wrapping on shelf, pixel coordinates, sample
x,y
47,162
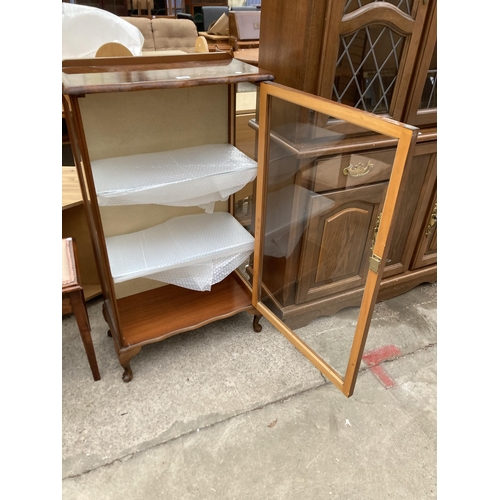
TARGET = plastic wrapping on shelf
x,y
195,176
85,29
191,251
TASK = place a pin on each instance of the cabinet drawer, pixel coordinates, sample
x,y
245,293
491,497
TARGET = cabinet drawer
x,y
351,169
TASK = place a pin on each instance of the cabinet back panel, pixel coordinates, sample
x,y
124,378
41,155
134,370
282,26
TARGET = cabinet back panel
x,y
126,123
132,218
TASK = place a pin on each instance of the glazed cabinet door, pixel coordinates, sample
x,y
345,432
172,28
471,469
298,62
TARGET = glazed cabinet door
x,y
326,211
422,106
370,51
363,53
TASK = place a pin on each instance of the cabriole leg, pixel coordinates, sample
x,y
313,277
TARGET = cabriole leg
x,y
125,358
256,326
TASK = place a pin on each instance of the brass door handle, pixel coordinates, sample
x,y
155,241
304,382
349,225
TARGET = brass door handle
x,y
358,170
433,220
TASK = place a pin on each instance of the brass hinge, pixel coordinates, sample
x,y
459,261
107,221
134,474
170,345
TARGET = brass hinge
x,y
375,261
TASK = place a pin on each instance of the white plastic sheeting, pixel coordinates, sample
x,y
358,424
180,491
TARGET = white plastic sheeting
x,y
85,29
191,251
195,176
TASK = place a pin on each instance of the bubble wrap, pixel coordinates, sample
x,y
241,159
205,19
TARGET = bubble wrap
x,y
195,176
192,251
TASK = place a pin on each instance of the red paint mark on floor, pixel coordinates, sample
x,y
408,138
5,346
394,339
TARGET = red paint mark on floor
x,y
374,358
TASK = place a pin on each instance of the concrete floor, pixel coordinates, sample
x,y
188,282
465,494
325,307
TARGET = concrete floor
x,y
227,413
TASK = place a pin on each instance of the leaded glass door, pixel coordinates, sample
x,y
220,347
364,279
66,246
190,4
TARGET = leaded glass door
x,y
370,51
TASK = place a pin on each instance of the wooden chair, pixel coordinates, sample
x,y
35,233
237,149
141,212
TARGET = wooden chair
x,y
113,49
72,289
201,45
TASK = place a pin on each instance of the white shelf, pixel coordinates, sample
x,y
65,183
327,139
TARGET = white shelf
x,y
195,176
192,251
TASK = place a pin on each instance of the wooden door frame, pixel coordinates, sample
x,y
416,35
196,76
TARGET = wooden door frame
x,y
406,136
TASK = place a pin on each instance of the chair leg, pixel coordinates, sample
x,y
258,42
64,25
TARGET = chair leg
x,y
77,300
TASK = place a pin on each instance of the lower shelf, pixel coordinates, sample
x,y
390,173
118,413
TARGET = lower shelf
x,y
156,314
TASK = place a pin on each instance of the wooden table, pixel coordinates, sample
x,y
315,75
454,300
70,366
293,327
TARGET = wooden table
x,y
74,225
217,43
249,56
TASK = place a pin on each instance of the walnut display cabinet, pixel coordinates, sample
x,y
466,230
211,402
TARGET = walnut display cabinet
x,y
378,56
177,238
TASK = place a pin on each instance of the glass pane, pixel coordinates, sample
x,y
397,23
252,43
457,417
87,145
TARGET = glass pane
x,y
429,95
325,191
367,68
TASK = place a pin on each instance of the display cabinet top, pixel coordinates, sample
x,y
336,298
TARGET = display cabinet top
x,y
126,74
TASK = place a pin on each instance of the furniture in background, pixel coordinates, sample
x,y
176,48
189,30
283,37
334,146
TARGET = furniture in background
x,y
194,7
244,29
74,225
212,13
72,289
118,7
141,7
174,7
185,15
250,56
381,58
217,43
167,34
113,49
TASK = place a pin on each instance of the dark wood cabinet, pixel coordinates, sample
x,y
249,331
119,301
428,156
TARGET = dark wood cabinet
x,y
373,55
378,56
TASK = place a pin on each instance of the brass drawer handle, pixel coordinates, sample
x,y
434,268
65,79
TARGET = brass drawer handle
x,y
433,220
358,170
